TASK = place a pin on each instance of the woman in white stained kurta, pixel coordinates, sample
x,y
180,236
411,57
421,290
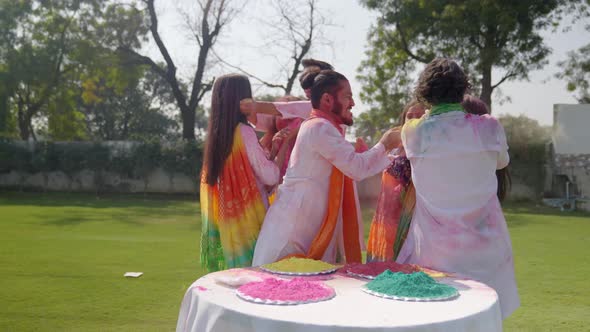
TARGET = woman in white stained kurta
x,y
458,225
296,217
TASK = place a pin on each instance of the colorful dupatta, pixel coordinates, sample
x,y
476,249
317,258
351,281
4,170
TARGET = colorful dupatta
x,y
341,194
232,212
393,216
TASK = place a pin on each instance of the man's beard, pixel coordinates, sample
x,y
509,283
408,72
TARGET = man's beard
x,y
337,110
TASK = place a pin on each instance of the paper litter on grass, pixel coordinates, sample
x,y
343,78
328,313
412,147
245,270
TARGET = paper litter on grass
x,y
133,274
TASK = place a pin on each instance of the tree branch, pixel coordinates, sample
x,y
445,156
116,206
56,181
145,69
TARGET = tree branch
x,y
207,43
474,41
268,84
138,59
35,107
406,46
206,88
506,77
305,46
171,68
170,73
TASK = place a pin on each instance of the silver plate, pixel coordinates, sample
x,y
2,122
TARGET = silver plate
x,y
430,273
364,276
411,299
276,302
300,273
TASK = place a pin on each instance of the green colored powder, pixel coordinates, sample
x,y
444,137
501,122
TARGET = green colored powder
x,y
417,284
299,265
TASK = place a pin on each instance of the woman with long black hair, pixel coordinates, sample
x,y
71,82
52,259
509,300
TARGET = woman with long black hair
x,y
236,172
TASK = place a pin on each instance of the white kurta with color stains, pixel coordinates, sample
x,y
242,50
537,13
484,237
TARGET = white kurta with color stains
x,y
295,217
458,225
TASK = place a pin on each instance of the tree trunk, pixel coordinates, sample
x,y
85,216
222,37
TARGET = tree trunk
x,y
188,123
24,123
3,112
486,86
289,87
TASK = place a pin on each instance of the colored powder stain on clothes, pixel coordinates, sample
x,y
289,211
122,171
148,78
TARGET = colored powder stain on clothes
x,y
299,265
417,284
297,289
376,268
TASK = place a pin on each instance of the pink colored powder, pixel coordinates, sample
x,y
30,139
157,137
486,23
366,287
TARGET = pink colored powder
x,y
297,289
201,288
376,268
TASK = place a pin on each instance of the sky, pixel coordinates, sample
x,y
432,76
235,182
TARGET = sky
x,y
249,42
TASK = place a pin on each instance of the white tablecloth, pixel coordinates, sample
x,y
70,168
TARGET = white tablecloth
x,y
212,307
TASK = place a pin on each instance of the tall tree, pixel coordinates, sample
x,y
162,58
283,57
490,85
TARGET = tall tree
x,y
213,17
47,49
10,14
39,54
486,36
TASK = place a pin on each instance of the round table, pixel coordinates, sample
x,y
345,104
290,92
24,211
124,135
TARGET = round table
x,y
209,306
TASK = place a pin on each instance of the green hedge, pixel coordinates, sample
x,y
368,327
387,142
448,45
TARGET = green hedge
x,y
183,157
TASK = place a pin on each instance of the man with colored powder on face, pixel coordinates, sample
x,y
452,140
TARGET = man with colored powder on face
x,y
316,213
265,115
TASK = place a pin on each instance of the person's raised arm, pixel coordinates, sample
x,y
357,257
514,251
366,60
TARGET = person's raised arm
x,y
358,166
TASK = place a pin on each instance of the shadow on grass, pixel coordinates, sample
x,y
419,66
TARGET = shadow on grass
x,y
532,208
133,216
525,213
79,208
56,199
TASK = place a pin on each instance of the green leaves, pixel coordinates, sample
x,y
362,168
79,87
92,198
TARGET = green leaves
x,y
484,36
385,75
576,72
55,54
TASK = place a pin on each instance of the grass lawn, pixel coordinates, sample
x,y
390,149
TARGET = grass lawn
x,y
62,259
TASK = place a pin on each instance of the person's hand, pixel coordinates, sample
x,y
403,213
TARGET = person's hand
x,y
248,107
266,140
293,135
360,146
278,140
391,139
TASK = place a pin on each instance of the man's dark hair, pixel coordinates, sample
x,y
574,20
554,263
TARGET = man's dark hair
x,y
322,65
442,81
311,68
327,81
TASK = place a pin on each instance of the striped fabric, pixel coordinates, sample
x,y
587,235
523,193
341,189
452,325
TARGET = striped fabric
x,y
392,219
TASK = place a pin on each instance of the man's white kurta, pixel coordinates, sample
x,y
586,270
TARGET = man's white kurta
x,y
296,216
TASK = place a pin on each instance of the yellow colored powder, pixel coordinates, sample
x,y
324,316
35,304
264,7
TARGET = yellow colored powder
x,y
299,265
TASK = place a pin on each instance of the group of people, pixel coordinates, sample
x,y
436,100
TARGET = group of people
x,y
293,192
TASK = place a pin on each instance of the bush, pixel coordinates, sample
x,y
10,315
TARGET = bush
x,y
14,157
138,162
527,141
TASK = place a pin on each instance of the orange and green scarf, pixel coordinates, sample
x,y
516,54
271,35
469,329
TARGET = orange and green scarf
x,y
341,195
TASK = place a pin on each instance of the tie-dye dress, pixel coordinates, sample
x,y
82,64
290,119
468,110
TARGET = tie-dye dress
x,y
232,210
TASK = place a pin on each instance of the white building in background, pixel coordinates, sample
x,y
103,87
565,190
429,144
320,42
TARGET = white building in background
x,y
568,167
